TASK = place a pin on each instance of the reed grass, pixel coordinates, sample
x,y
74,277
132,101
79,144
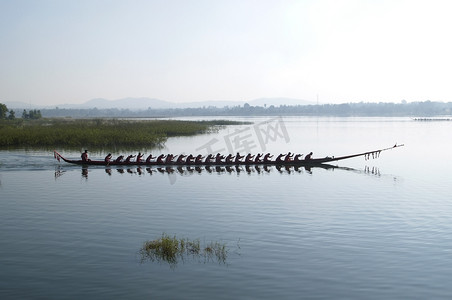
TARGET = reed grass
x,y
99,132
172,249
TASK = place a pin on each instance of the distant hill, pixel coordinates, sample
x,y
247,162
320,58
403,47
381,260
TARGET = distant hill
x,y
129,103
145,103
20,105
279,102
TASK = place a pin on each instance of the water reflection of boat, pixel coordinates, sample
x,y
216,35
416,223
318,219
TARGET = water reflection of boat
x,y
299,162
189,170
253,169
249,170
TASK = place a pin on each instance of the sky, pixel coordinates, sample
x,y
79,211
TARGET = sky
x,y
332,51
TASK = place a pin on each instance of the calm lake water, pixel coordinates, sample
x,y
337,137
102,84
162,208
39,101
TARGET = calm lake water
x,y
368,229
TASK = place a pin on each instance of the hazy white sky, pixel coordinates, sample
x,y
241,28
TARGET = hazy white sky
x,y
65,51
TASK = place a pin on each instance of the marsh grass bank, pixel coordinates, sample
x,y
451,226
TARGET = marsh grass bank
x,y
100,132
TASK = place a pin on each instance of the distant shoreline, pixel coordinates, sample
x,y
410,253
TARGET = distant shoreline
x,y
425,109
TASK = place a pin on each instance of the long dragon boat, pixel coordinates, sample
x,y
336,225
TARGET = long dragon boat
x,y
296,162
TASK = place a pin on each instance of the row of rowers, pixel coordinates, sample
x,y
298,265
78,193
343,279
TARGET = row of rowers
x,y
210,158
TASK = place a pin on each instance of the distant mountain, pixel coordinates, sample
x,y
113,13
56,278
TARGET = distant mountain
x,y
128,103
199,104
145,103
256,102
278,102
20,105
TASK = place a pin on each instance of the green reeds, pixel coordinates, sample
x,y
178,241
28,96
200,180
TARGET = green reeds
x,y
171,249
99,132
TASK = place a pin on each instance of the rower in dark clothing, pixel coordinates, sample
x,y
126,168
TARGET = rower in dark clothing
x,y
297,157
308,157
258,158
209,158
249,158
238,157
139,157
148,159
288,157
160,159
229,158
267,157
119,159
169,158
189,159
84,156
218,158
129,158
280,158
199,159
108,158
180,159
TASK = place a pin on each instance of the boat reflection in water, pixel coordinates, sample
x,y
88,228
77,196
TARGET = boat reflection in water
x,y
238,170
189,170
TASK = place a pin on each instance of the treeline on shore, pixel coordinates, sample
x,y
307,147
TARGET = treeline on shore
x,y
99,132
9,114
382,109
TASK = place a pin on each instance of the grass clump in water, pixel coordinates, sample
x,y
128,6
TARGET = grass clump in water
x,y
216,250
165,248
171,250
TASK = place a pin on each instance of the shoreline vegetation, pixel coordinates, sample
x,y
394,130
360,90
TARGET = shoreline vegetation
x,y
100,132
